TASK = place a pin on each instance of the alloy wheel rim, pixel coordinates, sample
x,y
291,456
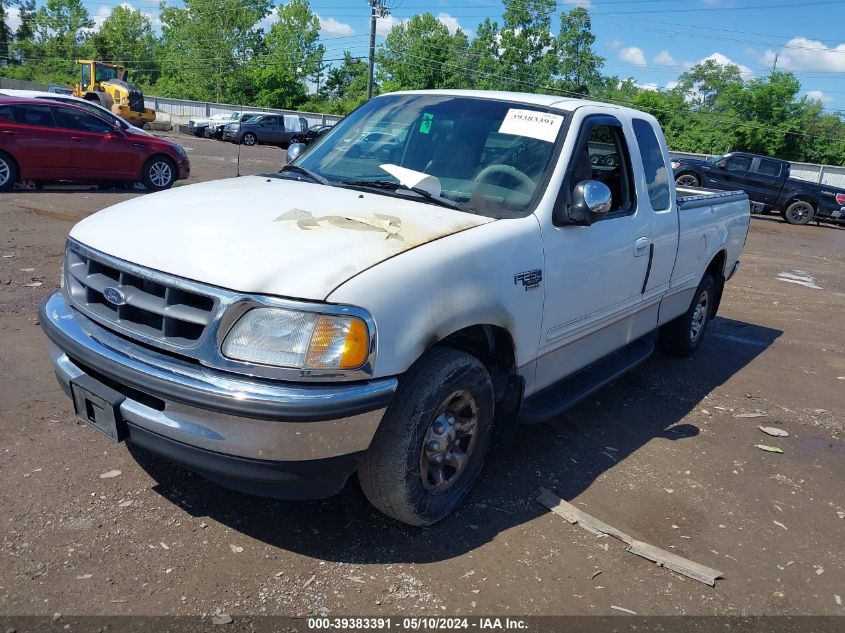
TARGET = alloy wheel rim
x,y
249,140
699,317
686,181
5,172
799,212
449,442
160,174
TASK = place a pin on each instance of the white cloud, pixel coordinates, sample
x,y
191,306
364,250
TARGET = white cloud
x,y
579,3
807,54
450,22
105,11
614,44
671,85
633,55
665,59
648,86
744,71
329,26
383,25
13,18
818,95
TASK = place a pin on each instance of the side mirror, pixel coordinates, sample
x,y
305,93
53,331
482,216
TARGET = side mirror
x,y
591,200
117,130
294,150
721,164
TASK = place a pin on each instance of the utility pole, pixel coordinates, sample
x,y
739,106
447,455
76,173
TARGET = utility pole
x,y
378,9
775,63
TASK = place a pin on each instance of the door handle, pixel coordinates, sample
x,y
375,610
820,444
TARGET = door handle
x,y
78,139
641,246
10,133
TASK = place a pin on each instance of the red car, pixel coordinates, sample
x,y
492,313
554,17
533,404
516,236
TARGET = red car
x,y
49,141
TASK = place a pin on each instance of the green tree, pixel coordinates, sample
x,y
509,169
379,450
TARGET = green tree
x,y
205,45
126,38
5,35
578,66
291,54
483,56
706,82
422,54
344,89
528,61
61,27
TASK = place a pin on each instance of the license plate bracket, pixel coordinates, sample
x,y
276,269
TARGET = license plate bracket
x,y
99,406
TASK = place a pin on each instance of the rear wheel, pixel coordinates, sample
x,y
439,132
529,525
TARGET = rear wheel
x,y
8,172
799,212
206,132
431,443
248,139
683,335
687,180
159,173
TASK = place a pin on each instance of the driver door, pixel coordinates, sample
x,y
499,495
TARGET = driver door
x,y
594,275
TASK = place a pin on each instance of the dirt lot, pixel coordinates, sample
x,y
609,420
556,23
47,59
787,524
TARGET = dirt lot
x,y
666,453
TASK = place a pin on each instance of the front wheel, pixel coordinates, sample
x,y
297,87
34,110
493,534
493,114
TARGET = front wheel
x,y
159,173
683,335
799,212
687,180
8,172
430,446
248,139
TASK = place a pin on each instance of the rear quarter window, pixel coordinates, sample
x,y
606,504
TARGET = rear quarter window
x,y
769,167
33,115
656,174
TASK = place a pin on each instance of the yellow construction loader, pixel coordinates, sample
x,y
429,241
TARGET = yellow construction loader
x,y
107,85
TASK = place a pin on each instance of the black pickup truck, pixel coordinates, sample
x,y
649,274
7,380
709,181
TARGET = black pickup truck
x,y
768,185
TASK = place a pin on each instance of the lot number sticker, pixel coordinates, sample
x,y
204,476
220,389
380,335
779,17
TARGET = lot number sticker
x,y
533,124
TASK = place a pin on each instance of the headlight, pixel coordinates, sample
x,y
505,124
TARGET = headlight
x,y
288,338
675,164
182,151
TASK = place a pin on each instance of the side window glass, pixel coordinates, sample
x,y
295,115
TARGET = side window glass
x,y
605,159
33,115
656,175
5,114
738,163
77,120
769,167
268,121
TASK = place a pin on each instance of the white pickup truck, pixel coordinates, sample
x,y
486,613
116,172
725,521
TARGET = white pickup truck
x,y
387,307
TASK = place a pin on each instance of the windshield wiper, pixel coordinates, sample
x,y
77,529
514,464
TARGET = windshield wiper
x,y
305,172
386,184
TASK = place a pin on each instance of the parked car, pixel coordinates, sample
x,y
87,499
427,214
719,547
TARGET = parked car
x,y
203,126
44,141
311,134
59,90
266,129
389,318
94,108
766,181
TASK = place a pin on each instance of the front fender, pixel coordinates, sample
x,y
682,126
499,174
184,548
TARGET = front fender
x,y
469,278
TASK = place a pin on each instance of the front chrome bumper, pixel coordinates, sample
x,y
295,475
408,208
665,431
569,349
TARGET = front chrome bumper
x,y
211,410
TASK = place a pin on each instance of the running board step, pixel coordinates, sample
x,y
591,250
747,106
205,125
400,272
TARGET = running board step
x,y
554,400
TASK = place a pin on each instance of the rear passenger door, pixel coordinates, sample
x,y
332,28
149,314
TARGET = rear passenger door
x,y
96,151
42,151
270,130
768,181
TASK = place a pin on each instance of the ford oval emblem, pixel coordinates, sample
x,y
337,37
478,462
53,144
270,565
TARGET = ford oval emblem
x,y
114,296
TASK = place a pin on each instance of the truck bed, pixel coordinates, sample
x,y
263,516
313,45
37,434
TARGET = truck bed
x,y
693,197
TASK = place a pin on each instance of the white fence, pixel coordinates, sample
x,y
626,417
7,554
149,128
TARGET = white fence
x,y
184,110
823,174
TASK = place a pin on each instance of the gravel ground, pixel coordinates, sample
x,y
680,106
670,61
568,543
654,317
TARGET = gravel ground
x,y
666,453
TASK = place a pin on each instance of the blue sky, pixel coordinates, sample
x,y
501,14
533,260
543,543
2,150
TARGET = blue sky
x,y
652,41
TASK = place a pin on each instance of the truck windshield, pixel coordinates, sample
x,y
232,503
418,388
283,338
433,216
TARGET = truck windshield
x,y
105,73
489,157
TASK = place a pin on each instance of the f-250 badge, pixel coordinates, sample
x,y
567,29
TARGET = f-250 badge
x,y
530,278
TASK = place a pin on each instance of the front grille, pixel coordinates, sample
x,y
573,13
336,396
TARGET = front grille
x,y
150,309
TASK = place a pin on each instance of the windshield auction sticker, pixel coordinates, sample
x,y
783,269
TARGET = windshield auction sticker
x,y
533,124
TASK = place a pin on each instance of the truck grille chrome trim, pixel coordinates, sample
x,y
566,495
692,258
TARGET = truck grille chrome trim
x,y
152,310
185,317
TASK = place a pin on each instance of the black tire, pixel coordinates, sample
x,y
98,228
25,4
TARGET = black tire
x,y
206,132
8,172
248,139
394,472
799,212
682,336
687,180
155,174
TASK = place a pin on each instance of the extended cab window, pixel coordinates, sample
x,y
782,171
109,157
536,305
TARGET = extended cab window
x,y
738,163
33,115
78,120
769,167
268,121
605,158
656,175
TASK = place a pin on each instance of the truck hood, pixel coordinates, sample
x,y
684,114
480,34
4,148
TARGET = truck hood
x,y
267,235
